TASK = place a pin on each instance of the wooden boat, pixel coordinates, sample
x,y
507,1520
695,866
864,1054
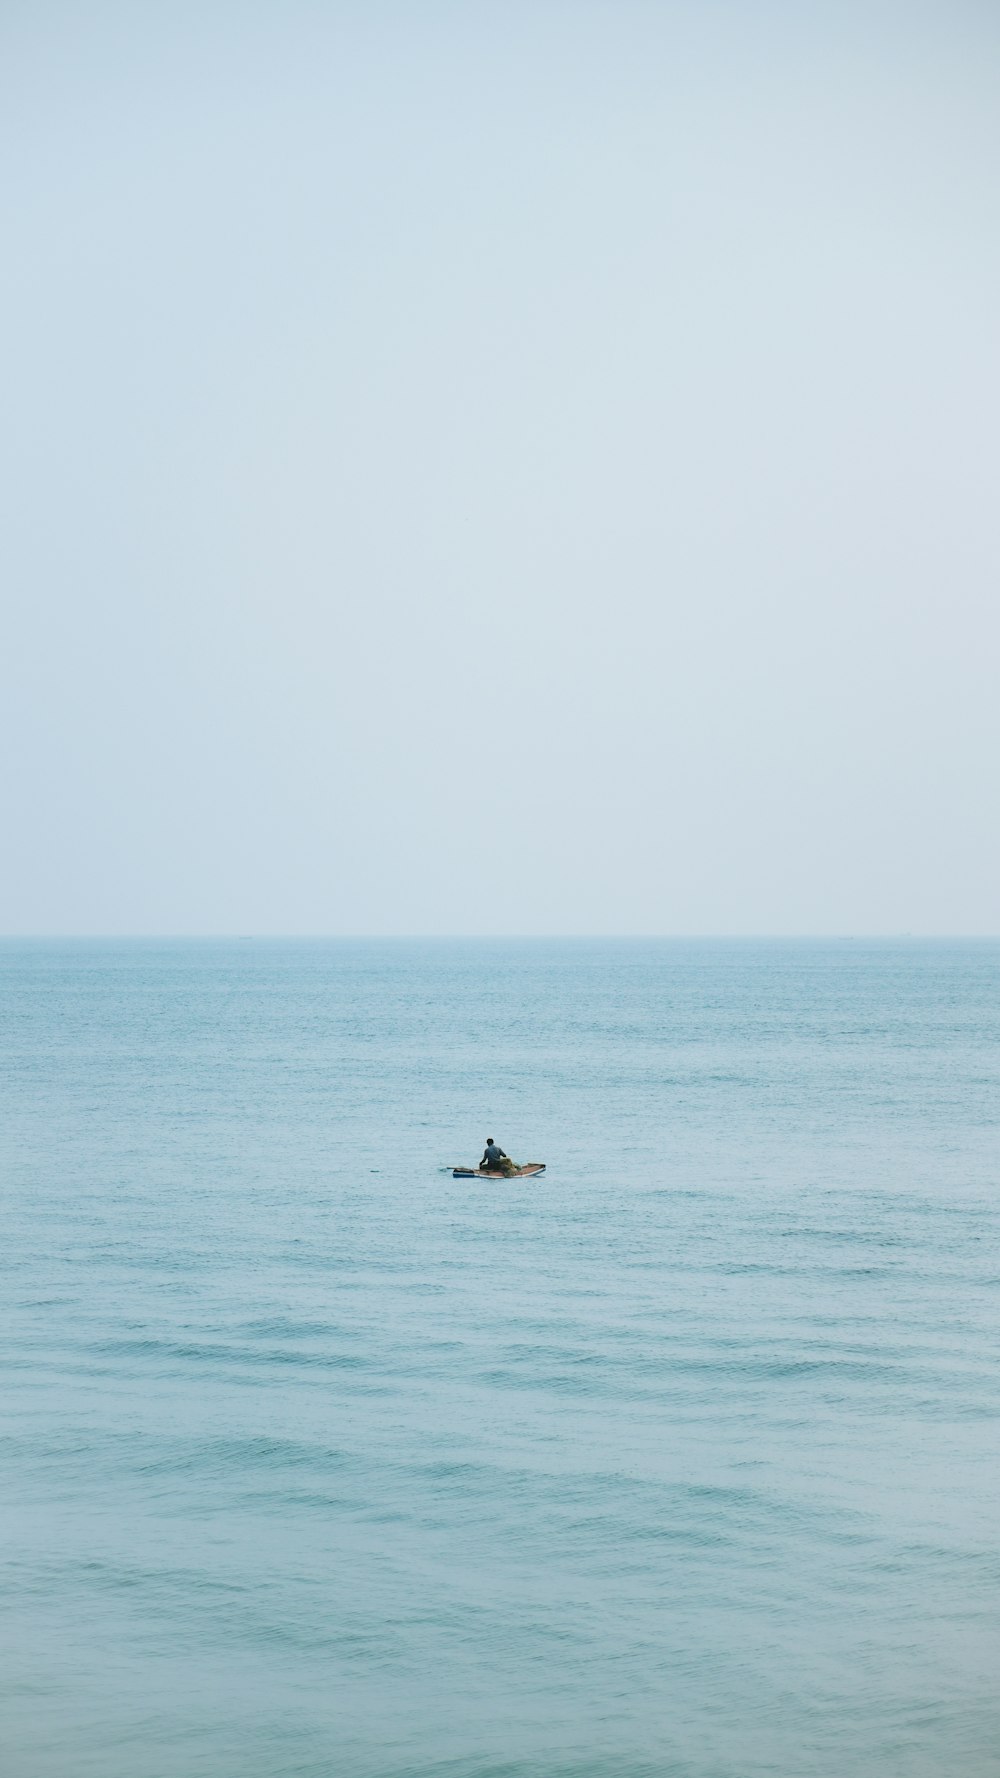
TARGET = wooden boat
x,y
528,1171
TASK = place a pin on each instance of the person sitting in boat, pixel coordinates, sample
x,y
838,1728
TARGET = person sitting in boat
x,y
494,1160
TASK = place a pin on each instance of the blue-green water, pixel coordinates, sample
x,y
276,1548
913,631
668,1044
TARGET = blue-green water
x,y
682,1460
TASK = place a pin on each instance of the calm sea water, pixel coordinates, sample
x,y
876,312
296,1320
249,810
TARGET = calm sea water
x,y
681,1460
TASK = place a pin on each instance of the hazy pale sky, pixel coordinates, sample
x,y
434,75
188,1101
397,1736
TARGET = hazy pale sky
x,y
501,466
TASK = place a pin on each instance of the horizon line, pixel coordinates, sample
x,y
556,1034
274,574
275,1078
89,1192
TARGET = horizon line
x,y
483,937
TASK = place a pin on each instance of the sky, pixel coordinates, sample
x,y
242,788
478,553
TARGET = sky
x,y
508,466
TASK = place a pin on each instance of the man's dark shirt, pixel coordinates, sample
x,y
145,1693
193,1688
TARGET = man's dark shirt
x,y
492,1156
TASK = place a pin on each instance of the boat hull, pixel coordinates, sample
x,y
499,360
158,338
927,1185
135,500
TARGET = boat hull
x,y
530,1171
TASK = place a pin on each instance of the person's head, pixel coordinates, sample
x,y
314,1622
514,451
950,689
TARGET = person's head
x,y
489,1142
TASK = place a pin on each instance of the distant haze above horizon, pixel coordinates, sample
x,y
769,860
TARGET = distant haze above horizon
x,y
500,468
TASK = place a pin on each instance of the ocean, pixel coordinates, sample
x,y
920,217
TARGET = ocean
x,y
683,1459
